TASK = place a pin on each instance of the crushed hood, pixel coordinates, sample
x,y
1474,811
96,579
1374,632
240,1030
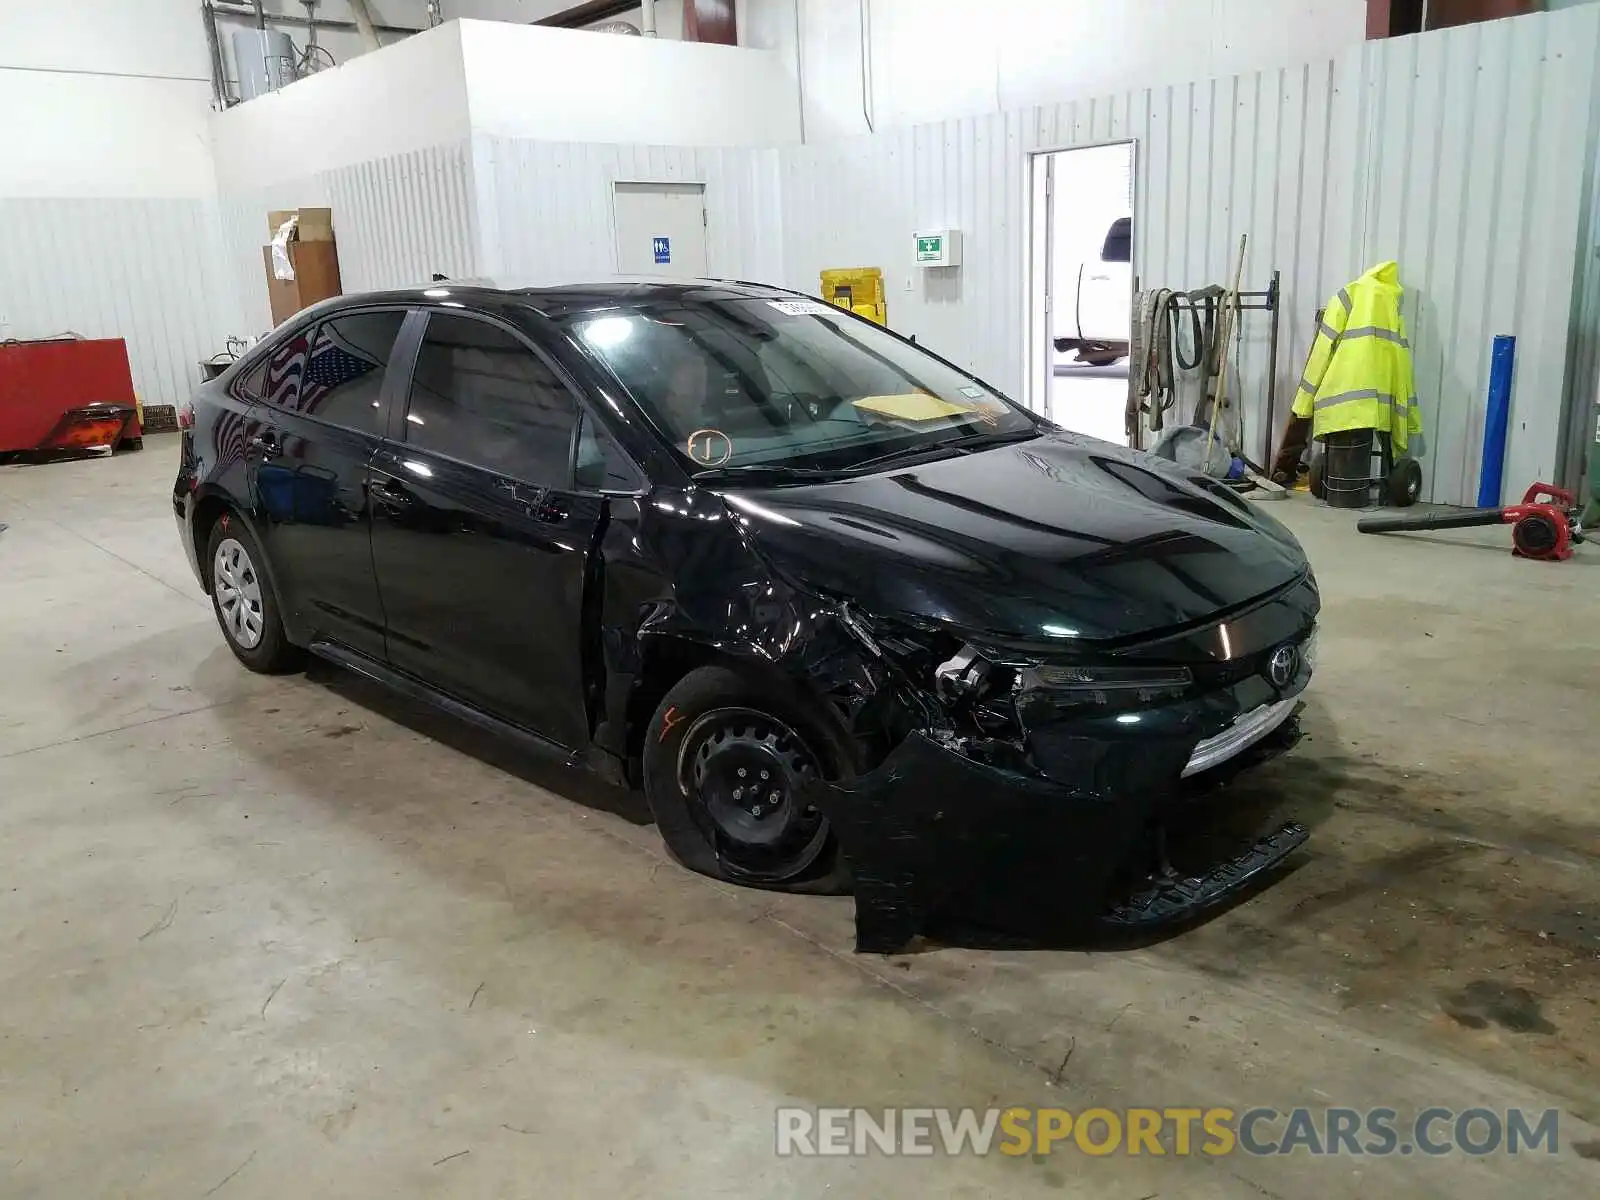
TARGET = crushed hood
x,y
1055,538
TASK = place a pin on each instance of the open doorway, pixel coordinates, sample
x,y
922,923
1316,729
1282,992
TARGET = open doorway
x,y
1081,284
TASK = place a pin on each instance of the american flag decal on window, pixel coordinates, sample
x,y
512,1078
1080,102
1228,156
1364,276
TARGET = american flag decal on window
x,y
303,372
335,361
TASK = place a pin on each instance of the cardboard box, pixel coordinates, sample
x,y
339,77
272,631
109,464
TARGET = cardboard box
x,y
316,224
316,277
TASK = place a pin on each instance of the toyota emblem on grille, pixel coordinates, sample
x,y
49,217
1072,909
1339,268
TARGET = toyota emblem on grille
x,y
1282,666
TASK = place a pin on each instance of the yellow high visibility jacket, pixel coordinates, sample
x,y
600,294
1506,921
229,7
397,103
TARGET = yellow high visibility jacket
x,y
1359,374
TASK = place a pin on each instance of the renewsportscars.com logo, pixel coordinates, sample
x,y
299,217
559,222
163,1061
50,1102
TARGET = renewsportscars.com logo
x,y
1166,1131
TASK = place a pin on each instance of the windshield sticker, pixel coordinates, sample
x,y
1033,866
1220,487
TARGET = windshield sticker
x,y
802,308
709,447
972,393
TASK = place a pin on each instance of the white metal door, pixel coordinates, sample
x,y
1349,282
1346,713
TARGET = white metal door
x,y
661,229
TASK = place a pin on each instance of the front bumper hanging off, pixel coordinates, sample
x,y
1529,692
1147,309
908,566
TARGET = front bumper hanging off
x,y
934,835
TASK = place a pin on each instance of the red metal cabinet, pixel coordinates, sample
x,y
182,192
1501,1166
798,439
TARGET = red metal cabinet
x,y
42,381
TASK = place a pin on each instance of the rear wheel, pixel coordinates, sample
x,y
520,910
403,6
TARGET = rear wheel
x,y
1315,481
243,601
728,762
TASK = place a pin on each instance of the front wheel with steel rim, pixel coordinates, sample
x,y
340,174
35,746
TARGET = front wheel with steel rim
x,y
243,600
731,767
745,773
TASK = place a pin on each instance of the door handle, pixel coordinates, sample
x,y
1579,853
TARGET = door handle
x,y
393,496
267,443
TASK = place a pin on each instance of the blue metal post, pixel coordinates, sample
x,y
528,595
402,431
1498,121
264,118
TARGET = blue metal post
x,y
1496,420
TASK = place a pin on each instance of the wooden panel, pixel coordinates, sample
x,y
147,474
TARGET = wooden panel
x,y
710,21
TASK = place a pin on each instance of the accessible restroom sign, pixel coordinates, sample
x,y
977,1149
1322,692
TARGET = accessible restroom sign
x,y
662,248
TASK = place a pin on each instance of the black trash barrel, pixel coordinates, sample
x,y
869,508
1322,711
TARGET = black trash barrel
x,y
1347,471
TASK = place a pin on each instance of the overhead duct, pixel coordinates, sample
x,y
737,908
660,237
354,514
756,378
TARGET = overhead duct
x,y
365,25
248,12
583,16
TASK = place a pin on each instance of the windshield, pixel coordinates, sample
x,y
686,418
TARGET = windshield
x,y
789,385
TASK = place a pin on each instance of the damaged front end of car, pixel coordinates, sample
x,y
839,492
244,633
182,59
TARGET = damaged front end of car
x,y
1027,785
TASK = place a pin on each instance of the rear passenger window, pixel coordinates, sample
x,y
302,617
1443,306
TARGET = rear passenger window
x,y
334,371
251,385
343,382
286,366
481,396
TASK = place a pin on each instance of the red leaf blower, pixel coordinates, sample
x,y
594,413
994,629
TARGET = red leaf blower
x,y
1544,526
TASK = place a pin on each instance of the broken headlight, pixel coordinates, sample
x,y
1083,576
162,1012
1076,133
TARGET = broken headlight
x,y
956,677
1118,686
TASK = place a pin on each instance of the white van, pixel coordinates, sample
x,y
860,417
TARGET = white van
x,y
1094,300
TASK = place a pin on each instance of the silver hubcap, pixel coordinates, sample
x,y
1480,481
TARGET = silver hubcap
x,y
238,592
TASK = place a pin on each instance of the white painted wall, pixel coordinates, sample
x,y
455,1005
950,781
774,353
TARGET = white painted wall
x,y
345,45
935,59
410,96
570,86
103,98
117,94
99,136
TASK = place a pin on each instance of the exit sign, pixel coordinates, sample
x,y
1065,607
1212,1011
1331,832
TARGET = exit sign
x,y
939,248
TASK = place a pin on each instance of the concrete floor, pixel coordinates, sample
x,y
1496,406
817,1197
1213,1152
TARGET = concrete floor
x,y
263,937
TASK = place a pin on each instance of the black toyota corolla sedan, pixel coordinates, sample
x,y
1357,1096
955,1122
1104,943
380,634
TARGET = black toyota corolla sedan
x,y
847,616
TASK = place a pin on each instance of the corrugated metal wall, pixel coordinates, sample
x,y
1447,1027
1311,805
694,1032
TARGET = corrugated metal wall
x,y
1243,155
857,202
1583,333
1479,141
1462,154
147,271
550,205
398,220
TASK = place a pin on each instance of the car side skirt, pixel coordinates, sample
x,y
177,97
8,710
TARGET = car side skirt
x,y
599,761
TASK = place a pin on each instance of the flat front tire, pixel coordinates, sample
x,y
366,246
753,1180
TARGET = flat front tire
x,y
728,761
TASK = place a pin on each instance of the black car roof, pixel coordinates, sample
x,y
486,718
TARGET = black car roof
x,y
564,299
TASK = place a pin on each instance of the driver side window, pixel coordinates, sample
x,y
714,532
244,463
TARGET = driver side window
x,y
479,395
601,465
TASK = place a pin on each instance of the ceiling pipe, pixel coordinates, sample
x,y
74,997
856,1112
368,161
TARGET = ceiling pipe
x,y
261,16
866,65
587,13
247,12
647,11
800,68
219,85
364,24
